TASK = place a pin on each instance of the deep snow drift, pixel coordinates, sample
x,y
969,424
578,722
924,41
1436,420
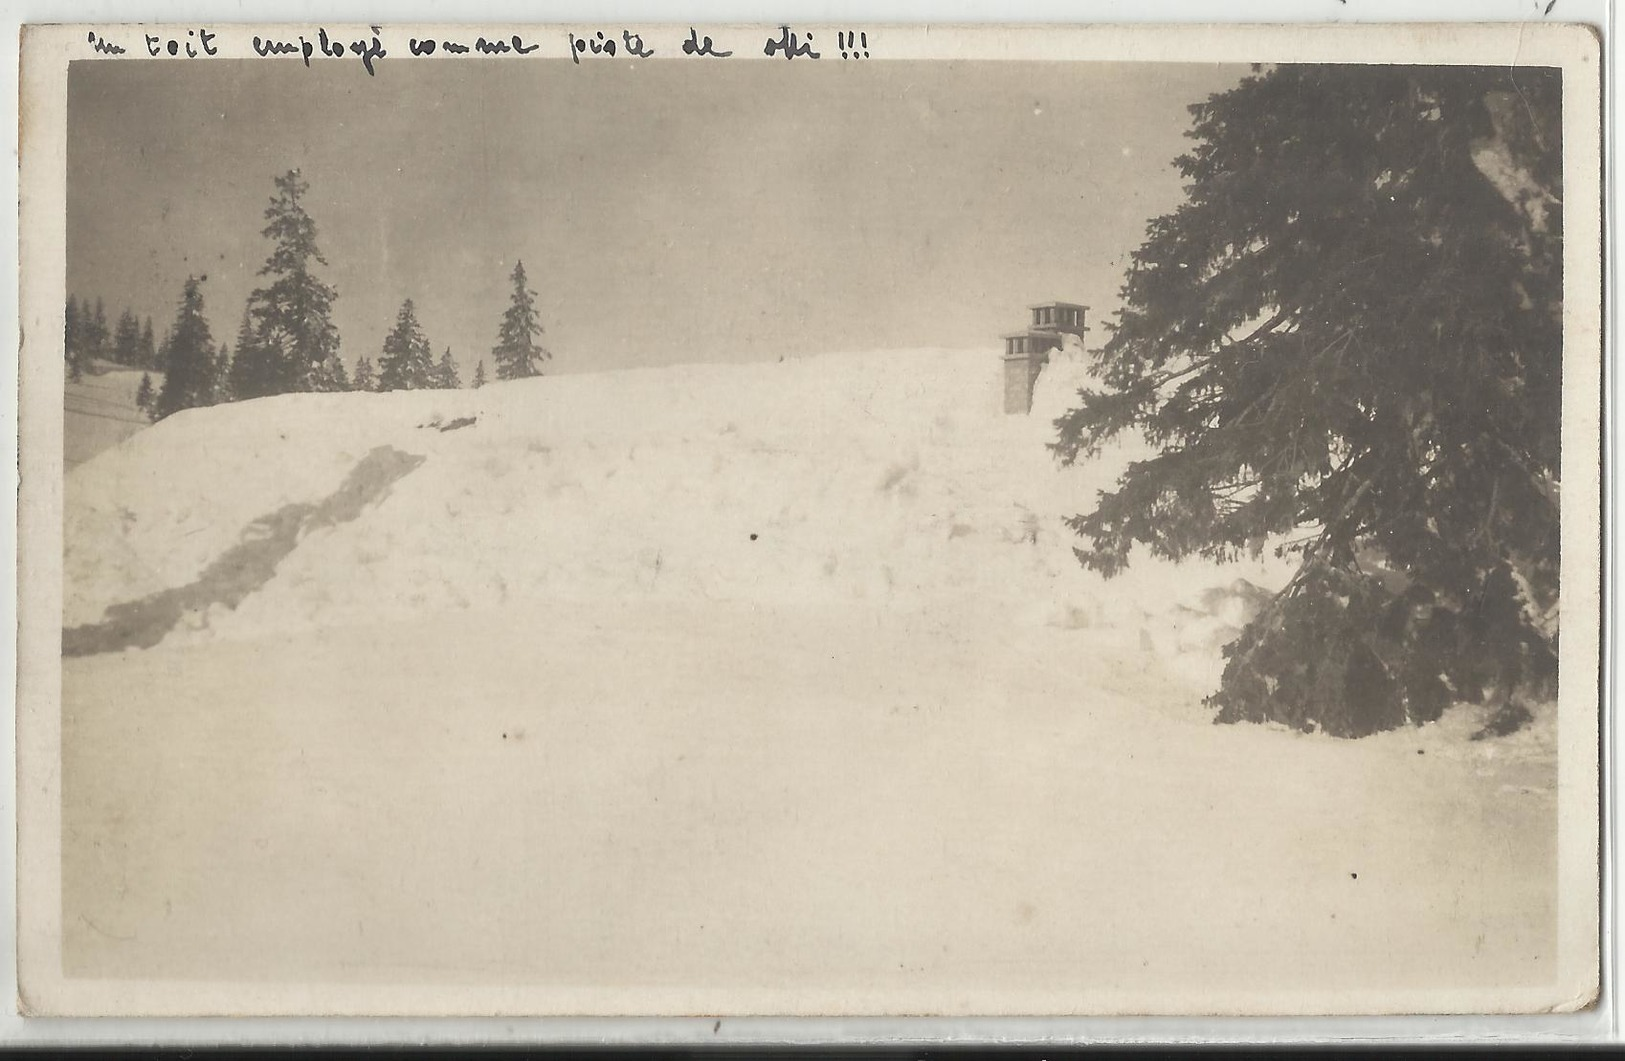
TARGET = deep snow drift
x,y
887,478
776,679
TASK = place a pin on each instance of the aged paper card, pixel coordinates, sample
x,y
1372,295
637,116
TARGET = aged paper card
x,y
743,520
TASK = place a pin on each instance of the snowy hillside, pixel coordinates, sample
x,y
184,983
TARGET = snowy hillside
x,y
889,479
100,410
783,667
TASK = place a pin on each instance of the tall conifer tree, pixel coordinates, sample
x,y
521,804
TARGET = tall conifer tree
x,y
445,373
250,374
1349,339
364,379
149,350
406,362
517,353
294,345
127,340
190,380
96,333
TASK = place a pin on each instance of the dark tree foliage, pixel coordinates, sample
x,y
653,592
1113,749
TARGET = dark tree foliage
x,y
364,378
248,375
221,375
144,394
190,380
293,345
445,373
479,375
407,362
73,327
517,353
149,350
1349,339
84,335
127,340
95,332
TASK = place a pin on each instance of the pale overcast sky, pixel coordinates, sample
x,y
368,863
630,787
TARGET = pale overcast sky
x,y
666,211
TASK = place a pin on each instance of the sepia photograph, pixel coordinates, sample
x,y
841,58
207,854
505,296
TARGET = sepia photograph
x,y
809,521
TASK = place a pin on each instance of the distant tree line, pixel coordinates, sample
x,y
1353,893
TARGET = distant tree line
x,y
86,337
286,340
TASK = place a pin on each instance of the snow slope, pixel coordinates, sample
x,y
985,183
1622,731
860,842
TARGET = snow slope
x,y
775,681
891,478
100,410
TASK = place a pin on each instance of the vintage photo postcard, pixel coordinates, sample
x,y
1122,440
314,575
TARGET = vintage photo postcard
x,y
809,520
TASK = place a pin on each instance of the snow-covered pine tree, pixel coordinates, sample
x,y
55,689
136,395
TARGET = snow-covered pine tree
x,y
190,380
295,346
364,379
445,373
143,393
517,353
406,362
127,340
1349,339
479,374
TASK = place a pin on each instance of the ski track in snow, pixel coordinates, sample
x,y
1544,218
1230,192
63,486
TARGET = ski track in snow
x,y
242,569
784,667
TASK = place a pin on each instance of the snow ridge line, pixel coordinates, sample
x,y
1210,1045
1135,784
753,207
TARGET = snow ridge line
x,y
246,566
